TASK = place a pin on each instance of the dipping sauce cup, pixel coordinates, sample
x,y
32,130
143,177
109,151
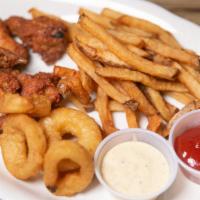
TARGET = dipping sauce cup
x,y
138,135
184,123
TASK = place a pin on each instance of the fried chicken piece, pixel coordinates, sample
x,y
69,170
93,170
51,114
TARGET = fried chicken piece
x,y
44,35
9,59
11,53
41,83
9,82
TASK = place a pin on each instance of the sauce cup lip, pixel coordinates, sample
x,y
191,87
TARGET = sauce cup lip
x,y
171,136
170,181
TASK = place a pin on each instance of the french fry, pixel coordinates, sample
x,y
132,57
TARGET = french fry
x,y
88,84
101,105
115,106
145,25
165,36
170,52
101,55
188,80
89,67
194,72
126,37
161,60
137,51
172,108
154,122
184,98
123,53
136,94
134,30
97,51
99,19
113,14
156,46
126,74
131,117
159,103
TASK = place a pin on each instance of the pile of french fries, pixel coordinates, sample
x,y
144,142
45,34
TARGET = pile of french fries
x,y
131,64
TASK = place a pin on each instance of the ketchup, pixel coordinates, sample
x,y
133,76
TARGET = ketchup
x,y
187,147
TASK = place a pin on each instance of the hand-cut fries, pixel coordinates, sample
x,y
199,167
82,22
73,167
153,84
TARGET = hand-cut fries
x,y
126,37
145,25
123,53
99,19
88,66
102,106
184,98
170,52
159,103
131,117
154,122
189,81
135,93
115,106
126,74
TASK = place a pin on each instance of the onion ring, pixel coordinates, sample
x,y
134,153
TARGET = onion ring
x,y
79,124
23,146
73,182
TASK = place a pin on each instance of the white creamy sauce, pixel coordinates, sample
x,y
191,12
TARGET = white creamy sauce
x,y
135,169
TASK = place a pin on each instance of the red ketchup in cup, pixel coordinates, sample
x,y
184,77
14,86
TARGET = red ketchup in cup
x,y
187,147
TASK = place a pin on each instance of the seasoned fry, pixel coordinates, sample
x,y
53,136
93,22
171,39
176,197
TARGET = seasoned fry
x,y
123,53
135,93
131,117
155,122
88,66
115,106
126,37
99,19
159,103
145,25
101,105
88,84
126,74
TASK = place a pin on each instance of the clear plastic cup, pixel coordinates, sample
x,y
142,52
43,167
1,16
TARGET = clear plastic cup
x,y
187,121
136,134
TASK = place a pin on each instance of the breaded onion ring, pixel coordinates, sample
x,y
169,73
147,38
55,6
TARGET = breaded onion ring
x,y
14,103
23,146
79,124
73,182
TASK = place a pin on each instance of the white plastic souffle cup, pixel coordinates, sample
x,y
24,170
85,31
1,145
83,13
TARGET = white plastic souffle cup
x,y
136,134
187,121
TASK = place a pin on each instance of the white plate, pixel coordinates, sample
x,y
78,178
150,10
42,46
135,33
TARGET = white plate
x,y
186,32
